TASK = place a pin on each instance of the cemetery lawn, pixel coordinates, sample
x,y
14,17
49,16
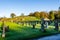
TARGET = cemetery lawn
x,y
23,32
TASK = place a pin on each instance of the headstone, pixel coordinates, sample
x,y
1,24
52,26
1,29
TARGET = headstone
x,y
56,25
33,26
6,28
46,24
59,24
27,24
56,22
22,24
42,25
3,32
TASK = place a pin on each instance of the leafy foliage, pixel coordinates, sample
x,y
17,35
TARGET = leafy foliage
x,y
12,15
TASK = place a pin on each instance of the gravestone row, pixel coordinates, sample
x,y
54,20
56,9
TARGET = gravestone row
x,y
44,24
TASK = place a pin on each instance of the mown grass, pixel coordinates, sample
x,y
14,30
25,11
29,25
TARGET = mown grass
x,y
23,32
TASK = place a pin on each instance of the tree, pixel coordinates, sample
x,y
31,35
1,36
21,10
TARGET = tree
x,y
12,15
57,18
43,14
31,14
59,13
22,14
37,14
51,15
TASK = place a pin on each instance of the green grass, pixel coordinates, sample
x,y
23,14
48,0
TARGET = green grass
x,y
21,32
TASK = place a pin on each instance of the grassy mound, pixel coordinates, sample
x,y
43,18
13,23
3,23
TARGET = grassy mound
x,y
21,32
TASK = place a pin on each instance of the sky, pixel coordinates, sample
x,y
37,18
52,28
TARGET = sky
x,y
26,6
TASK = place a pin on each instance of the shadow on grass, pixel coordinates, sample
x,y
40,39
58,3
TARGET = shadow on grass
x,y
27,33
21,33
